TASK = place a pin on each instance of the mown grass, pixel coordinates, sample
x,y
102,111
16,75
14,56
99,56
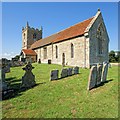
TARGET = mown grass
x,y
64,98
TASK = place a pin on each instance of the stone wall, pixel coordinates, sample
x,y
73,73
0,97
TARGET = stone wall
x,y
85,47
28,40
95,57
80,57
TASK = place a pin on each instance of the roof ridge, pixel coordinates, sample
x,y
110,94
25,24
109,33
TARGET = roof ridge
x,y
79,29
66,28
76,24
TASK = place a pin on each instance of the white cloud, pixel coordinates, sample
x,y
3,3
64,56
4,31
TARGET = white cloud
x,y
9,55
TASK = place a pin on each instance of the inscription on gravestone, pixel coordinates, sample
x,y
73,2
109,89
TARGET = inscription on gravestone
x,y
70,70
76,70
92,78
54,74
64,73
28,80
104,72
99,73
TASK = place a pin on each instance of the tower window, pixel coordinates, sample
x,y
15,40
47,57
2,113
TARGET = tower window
x,y
72,50
56,51
24,35
24,44
34,36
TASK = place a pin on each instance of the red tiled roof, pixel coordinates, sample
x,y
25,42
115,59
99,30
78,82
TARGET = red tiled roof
x,y
29,52
73,31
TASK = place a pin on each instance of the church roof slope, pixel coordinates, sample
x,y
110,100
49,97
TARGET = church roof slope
x,y
73,31
29,52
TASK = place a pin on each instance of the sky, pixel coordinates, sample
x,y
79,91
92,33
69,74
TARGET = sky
x,y
53,17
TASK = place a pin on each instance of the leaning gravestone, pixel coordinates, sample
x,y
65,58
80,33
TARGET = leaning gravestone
x,y
104,72
70,70
99,73
92,78
28,80
54,74
76,70
64,73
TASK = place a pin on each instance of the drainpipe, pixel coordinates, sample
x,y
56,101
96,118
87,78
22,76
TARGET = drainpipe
x,y
52,51
85,37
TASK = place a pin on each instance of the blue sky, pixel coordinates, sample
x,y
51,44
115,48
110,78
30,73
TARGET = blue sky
x,y
53,17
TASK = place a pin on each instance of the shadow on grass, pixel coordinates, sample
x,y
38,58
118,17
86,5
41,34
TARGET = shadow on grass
x,y
15,89
103,83
60,78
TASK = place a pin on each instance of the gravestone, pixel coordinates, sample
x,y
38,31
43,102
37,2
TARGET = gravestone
x,y
54,74
28,80
92,78
70,71
3,84
99,73
39,61
104,72
7,68
64,73
49,61
76,70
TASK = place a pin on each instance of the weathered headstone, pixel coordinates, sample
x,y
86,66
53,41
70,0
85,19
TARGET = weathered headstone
x,y
64,73
4,85
7,68
76,70
104,72
49,61
28,80
70,71
92,78
3,74
99,73
54,74
39,61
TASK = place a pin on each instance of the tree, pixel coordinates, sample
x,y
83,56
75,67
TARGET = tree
x,y
112,56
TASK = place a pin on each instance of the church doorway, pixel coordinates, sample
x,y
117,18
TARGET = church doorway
x,y
63,59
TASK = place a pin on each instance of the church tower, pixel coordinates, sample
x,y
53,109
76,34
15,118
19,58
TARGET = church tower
x,y
30,35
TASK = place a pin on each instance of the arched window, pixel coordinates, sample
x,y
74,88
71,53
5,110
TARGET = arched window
x,y
100,48
72,50
34,36
45,52
24,35
100,38
56,51
24,44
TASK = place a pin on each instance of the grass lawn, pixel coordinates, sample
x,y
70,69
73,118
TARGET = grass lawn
x,y
64,98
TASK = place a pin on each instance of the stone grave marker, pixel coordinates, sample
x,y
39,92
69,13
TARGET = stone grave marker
x,y
3,85
76,70
28,80
54,74
104,72
92,78
64,73
70,71
99,73
7,68
39,61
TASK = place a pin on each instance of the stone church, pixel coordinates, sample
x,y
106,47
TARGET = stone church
x,y
83,44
